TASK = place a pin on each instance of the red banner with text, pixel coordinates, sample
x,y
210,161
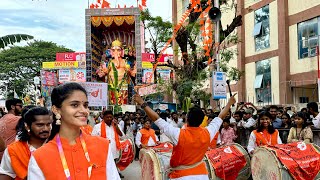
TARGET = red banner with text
x,y
227,162
127,155
302,160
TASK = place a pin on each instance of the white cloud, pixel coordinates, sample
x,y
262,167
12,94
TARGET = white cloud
x,y
60,21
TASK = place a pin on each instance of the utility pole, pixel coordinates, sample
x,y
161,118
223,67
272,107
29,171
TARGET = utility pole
x,y
217,36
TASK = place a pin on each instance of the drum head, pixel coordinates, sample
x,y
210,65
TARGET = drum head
x,y
150,167
265,165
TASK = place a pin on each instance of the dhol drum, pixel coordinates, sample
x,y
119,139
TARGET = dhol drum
x,y
155,161
266,165
126,155
162,147
228,162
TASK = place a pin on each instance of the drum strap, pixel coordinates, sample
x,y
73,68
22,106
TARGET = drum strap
x,y
184,167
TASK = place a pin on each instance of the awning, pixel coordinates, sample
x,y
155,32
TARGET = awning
x,y
258,81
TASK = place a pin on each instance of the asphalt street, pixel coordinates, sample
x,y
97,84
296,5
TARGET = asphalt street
x,y
132,172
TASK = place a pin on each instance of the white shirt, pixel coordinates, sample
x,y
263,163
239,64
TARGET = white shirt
x,y
34,172
173,134
5,167
150,141
110,135
252,142
316,121
316,135
121,125
250,123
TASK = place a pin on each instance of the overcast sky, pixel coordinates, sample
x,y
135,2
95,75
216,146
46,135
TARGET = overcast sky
x,y
60,21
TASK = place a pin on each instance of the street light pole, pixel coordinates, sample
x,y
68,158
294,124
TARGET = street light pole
x,y
217,36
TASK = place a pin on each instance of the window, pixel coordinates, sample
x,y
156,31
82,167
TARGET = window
x,y
303,99
261,31
263,81
308,37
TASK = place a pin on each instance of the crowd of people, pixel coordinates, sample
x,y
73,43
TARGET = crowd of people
x,y
60,144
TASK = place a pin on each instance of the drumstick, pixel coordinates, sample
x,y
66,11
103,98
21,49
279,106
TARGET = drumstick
x,y
228,83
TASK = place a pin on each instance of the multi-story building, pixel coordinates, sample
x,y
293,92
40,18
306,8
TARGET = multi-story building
x,y
277,50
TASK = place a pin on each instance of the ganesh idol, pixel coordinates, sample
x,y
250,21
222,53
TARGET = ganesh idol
x,y
123,68
125,71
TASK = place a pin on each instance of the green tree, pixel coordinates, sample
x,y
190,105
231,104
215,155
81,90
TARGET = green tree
x,y
13,38
21,64
160,32
192,74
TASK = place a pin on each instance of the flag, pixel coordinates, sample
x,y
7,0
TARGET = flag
x,y
15,95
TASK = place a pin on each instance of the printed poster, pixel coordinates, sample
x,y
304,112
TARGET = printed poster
x,y
72,75
219,85
48,78
97,93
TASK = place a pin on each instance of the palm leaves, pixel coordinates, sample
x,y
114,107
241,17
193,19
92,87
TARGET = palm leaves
x,y
13,38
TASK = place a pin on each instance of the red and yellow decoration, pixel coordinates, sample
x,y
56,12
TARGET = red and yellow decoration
x,y
108,20
106,4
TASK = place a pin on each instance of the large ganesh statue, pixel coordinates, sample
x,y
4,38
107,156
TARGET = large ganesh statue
x,y
118,71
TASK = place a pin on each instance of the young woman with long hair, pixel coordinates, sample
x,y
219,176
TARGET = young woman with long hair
x,y
265,134
72,154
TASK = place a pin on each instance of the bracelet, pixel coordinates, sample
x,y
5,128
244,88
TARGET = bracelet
x,y
143,105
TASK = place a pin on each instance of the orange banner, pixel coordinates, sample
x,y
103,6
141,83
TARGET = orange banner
x,y
302,160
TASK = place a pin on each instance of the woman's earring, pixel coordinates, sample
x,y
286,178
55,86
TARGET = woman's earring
x,y
58,117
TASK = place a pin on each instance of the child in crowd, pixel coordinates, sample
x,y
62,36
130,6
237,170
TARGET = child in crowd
x,y
228,134
300,131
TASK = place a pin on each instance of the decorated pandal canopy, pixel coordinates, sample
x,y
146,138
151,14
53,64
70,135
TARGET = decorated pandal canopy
x,y
106,29
112,31
108,20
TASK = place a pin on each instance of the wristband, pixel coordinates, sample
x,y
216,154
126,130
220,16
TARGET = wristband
x,y
143,105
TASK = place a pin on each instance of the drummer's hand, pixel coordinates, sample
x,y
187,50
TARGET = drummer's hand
x,y
143,146
137,98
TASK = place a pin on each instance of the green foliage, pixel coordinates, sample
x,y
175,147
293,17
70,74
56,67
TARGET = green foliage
x,y
21,64
13,38
160,31
203,96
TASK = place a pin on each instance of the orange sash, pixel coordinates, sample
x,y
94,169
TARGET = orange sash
x,y
146,134
86,129
264,138
19,153
104,134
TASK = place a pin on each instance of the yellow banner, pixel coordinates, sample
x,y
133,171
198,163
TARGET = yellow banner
x,y
63,65
149,65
